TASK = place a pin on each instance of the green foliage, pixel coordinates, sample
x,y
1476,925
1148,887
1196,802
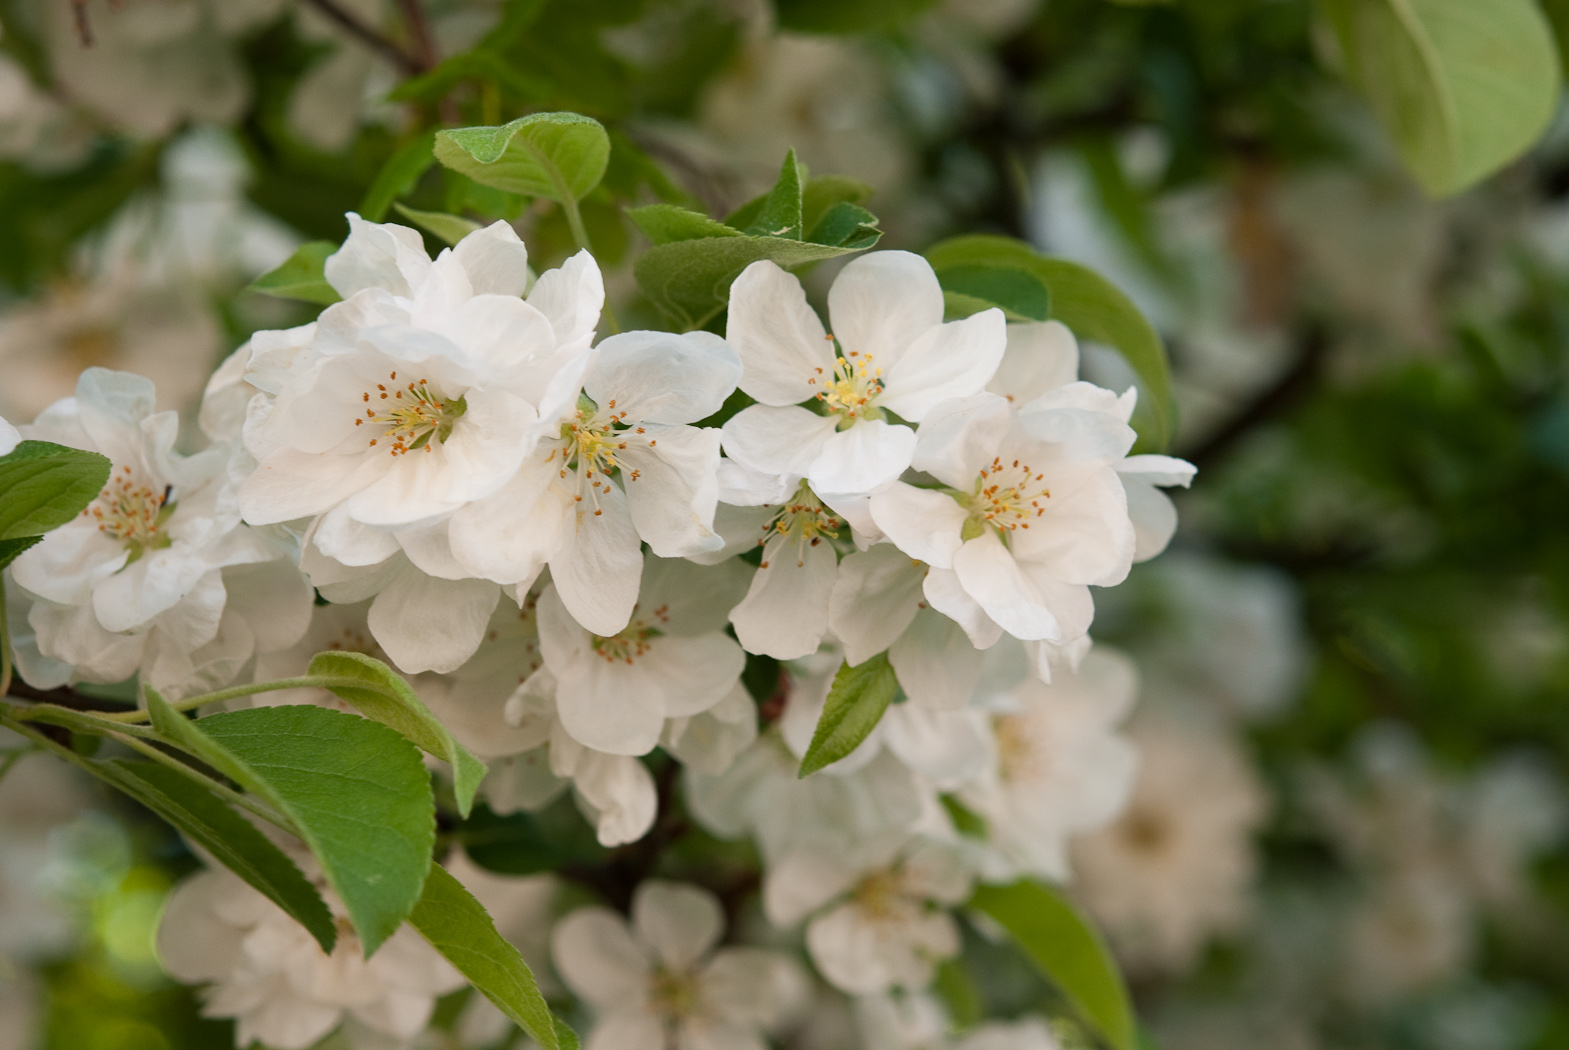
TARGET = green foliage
x,y
458,927
1462,88
301,276
44,485
398,176
1068,951
513,844
558,156
11,549
450,228
856,702
356,791
233,841
378,692
846,16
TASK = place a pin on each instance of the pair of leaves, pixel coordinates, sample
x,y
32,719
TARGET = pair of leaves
x,y
856,702
1068,952
980,271
1462,87
695,259
43,486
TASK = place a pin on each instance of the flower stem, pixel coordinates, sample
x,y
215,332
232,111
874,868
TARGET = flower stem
x,y
191,703
5,645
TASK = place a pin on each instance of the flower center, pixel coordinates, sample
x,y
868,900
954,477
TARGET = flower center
x,y
674,995
632,642
880,895
1019,755
850,391
1007,496
590,445
133,514
410,416
1146,832
803,522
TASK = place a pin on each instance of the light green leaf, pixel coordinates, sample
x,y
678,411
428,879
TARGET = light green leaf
x,y
690,280
1068,951
780,213
957,990
1084,301
302,276
44,485
10,549
668,223
458,927
822,192
380,693
1463,87
398,176
356,790
855,705
559,156
450,228
231,839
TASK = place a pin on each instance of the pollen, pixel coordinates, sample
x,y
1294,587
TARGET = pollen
x,y
1009,496
851,392
803,522
135,515
421,417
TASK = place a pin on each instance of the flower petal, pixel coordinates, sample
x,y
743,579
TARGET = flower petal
x,y
875,597
882,303
427,624
662,377
776,440
785,611
869,454
952,360
1040,357
597,569
959,438
378,255
988,572
780,340
495,259
925,525
600,960
672,487
571,297
694,674
680,923
937,665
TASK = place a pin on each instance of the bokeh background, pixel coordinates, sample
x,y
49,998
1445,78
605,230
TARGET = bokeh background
x,y
1351,828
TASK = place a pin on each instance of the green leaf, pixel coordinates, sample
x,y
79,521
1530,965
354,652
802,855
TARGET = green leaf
x,y
1020,293
398,175
302,276
1068,951
513,844
450,228
690,280
1081,299
458,927
1462,87
846,225
855,705
559,156
780,214
378,692
958,992
824,191
10,549
44,485
846,16
668,223
356,790
232,840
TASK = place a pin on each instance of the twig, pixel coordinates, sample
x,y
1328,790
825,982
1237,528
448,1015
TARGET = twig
x,y
368,35
419,33
84,28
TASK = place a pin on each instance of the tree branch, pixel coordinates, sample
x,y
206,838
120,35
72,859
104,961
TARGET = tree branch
x,y
368,35
1274,401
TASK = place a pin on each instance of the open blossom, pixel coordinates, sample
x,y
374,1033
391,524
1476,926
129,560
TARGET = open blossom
x,y
140,580
882,919
785,611
1060,768
890,352
268,973
659,984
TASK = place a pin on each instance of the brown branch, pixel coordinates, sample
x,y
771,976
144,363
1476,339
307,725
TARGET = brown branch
x,y
368,35
64,696
84,27
419,32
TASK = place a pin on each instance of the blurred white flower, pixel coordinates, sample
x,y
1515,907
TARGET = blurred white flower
x,y
267,973
1177,867
10,437
37,796
659,983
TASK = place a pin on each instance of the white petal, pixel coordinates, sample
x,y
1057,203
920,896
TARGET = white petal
x,y
881,303
755,987
946,595
697,599
495,259
378,255
785,611
680,923
427,624
1153,514
10,437
960,438
869,454
274,598
626,1030
600,960
741,486
693,674
150,586
1040,357
989,574
1084,536
776,440
609,706
429,548
937,666
875,597
571,297
676,488
288,484
662,377
846,950
619,792
952,360
925,525
949,748
487,536
780,340
194,943
598,567
801,883
1159,470
351,542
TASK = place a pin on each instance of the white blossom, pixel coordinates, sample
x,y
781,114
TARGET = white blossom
x,y
659,983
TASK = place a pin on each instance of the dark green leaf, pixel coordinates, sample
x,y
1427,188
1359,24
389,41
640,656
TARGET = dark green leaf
x,y
230,838
458,927
302,276
450,228
44,485
855,705
378,692
824,191
846,225
9,549
780,214
667,224
513,844
846,16
559,156
1068,951
356,790
398,176
1021,294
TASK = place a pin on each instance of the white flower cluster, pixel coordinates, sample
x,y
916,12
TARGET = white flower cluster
x,y
538,530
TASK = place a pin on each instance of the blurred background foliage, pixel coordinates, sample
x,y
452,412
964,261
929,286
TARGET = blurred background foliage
x,y
1355,659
